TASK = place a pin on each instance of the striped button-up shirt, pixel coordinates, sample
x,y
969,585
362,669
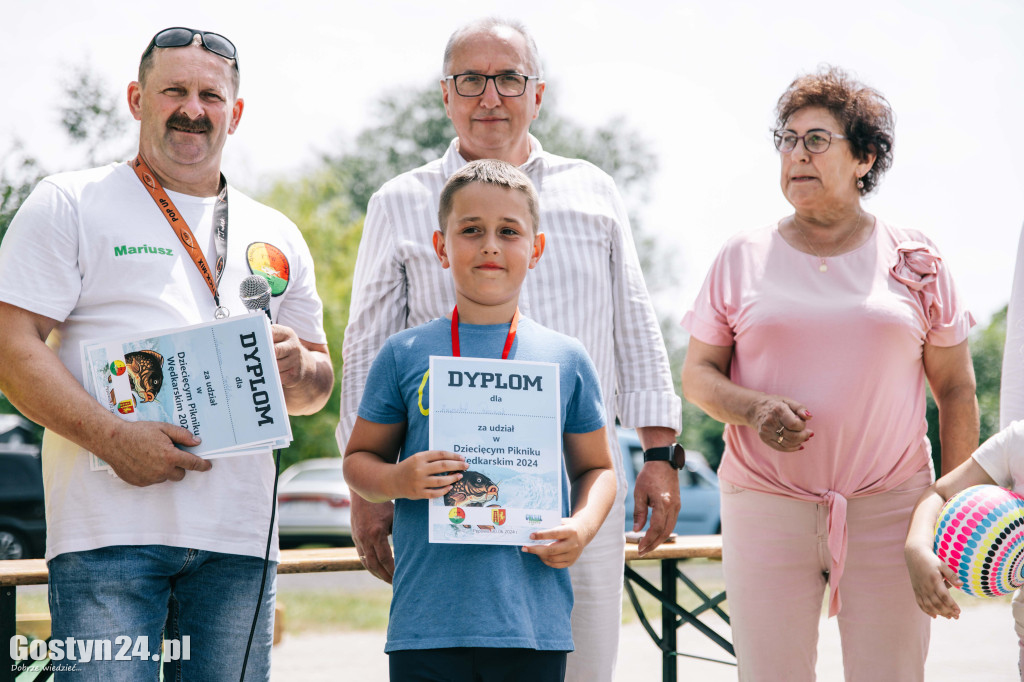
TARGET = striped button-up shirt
x,y
587,285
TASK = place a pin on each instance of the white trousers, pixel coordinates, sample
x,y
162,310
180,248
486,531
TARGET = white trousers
x,y
597,606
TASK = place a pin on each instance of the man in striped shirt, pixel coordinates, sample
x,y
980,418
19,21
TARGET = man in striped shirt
x,y
589,286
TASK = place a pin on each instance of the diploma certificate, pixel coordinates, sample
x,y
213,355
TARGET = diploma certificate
x,y
218,379
504,417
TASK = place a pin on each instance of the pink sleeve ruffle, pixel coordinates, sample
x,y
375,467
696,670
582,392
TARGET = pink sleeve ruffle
x,y
916,264
920,269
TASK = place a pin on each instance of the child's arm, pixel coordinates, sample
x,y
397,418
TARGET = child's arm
x,y
928,574
371,471
588,460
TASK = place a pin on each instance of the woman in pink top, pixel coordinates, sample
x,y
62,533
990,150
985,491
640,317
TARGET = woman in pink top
x,y
812,339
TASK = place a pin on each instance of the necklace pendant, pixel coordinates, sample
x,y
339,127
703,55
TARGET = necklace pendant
x,y
823,267
221,312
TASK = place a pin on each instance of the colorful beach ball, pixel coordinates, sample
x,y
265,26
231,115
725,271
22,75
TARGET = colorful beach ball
x,y
980,536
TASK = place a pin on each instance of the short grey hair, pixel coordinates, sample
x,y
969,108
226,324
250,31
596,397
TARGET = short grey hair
x,y
486,25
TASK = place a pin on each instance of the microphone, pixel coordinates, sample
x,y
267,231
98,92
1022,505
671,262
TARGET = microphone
x,y
255,294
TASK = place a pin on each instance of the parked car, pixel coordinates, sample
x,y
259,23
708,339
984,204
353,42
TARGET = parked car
x,y
313,504
22,513
700,513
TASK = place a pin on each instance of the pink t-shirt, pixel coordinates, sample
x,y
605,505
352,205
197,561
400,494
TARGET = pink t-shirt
x,y
847,343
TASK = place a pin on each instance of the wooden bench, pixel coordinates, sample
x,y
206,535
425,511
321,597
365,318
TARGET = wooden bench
x,y
33,572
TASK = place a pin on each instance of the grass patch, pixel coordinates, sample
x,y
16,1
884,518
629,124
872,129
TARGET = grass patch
x,y
334,610
323,610
651,571
32,602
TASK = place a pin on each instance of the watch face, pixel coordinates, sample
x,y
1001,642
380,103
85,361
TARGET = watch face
x,y
678,456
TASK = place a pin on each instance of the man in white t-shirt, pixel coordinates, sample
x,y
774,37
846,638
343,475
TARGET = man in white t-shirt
x,y
173,545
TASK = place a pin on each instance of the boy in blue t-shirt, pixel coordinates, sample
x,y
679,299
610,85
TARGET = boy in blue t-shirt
x,y
479,612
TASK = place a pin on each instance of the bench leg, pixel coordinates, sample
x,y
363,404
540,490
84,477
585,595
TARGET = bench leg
x,y
669,660
8,612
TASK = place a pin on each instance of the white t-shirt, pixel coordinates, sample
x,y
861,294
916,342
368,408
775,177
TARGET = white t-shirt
x,y
93,251
1002,458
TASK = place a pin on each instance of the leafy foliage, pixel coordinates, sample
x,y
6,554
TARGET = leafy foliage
x,y
318,204
987,356
414,129
700,432
18,175
92,116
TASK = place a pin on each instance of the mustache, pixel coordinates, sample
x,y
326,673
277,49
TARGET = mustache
x,y
179,121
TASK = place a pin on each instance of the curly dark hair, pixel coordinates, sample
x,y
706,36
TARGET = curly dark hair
x,y
863,112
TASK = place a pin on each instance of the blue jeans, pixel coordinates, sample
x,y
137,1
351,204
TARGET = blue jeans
x,y
132,596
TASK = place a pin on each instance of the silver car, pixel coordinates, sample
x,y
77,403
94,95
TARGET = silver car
x,y
313,504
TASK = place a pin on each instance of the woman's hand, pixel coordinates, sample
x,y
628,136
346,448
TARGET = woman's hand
x,y
781,423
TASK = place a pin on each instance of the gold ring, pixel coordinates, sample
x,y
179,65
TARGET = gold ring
x,y
779,441
781,429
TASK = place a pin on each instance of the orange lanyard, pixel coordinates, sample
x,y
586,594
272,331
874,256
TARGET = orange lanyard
x,y
181,228
513,325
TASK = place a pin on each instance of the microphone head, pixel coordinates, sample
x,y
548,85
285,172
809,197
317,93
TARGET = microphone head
x,y
255,293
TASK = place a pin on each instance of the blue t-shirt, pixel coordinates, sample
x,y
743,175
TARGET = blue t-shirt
x,y
449,595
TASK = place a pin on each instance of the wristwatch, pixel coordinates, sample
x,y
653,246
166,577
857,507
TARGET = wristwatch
x,y
673,454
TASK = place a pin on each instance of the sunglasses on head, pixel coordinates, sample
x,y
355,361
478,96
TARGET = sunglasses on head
x,y
182,37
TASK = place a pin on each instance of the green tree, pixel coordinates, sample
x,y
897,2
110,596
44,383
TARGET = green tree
x,y
415,130
700,432
319,205
19,173
93,117
987,356
90,118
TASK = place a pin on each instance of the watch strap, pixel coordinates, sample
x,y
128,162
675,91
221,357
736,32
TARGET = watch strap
x,y
673,454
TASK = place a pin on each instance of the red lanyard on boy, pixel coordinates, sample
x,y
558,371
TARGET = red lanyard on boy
x,y
181,229
513,325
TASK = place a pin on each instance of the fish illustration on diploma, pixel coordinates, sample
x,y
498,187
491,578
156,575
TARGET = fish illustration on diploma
x,y
472,490
145,374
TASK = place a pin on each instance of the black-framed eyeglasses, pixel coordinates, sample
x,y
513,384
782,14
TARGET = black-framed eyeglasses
x,y
815,141
507,84
179,36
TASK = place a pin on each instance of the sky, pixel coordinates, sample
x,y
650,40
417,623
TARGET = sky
x,y
699,80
